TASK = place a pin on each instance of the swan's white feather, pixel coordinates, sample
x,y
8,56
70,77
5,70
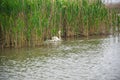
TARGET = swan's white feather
x,y
55,38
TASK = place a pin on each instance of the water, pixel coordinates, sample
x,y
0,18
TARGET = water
x,y
81,59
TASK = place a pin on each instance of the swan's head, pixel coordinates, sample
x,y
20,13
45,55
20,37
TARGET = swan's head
x,y
59,32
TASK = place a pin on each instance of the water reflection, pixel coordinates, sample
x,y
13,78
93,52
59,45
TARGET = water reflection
x,y
88,59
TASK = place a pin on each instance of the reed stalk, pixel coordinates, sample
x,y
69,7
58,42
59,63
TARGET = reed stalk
x,y
30,22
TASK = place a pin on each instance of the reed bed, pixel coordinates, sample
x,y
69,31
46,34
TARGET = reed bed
x,y
30,22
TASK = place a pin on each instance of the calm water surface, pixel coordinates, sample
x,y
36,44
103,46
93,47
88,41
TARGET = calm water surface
x,y
81,59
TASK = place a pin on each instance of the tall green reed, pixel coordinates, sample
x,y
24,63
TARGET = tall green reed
x,y
30,22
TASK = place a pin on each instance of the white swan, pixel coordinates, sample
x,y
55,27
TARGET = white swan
x,y
55,38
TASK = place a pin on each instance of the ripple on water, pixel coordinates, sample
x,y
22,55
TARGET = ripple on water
x,y
95,59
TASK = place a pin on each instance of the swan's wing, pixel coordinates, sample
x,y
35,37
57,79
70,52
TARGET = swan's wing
x,y
55,38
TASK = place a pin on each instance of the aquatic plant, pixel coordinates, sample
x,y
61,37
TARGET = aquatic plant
x,y
30,22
